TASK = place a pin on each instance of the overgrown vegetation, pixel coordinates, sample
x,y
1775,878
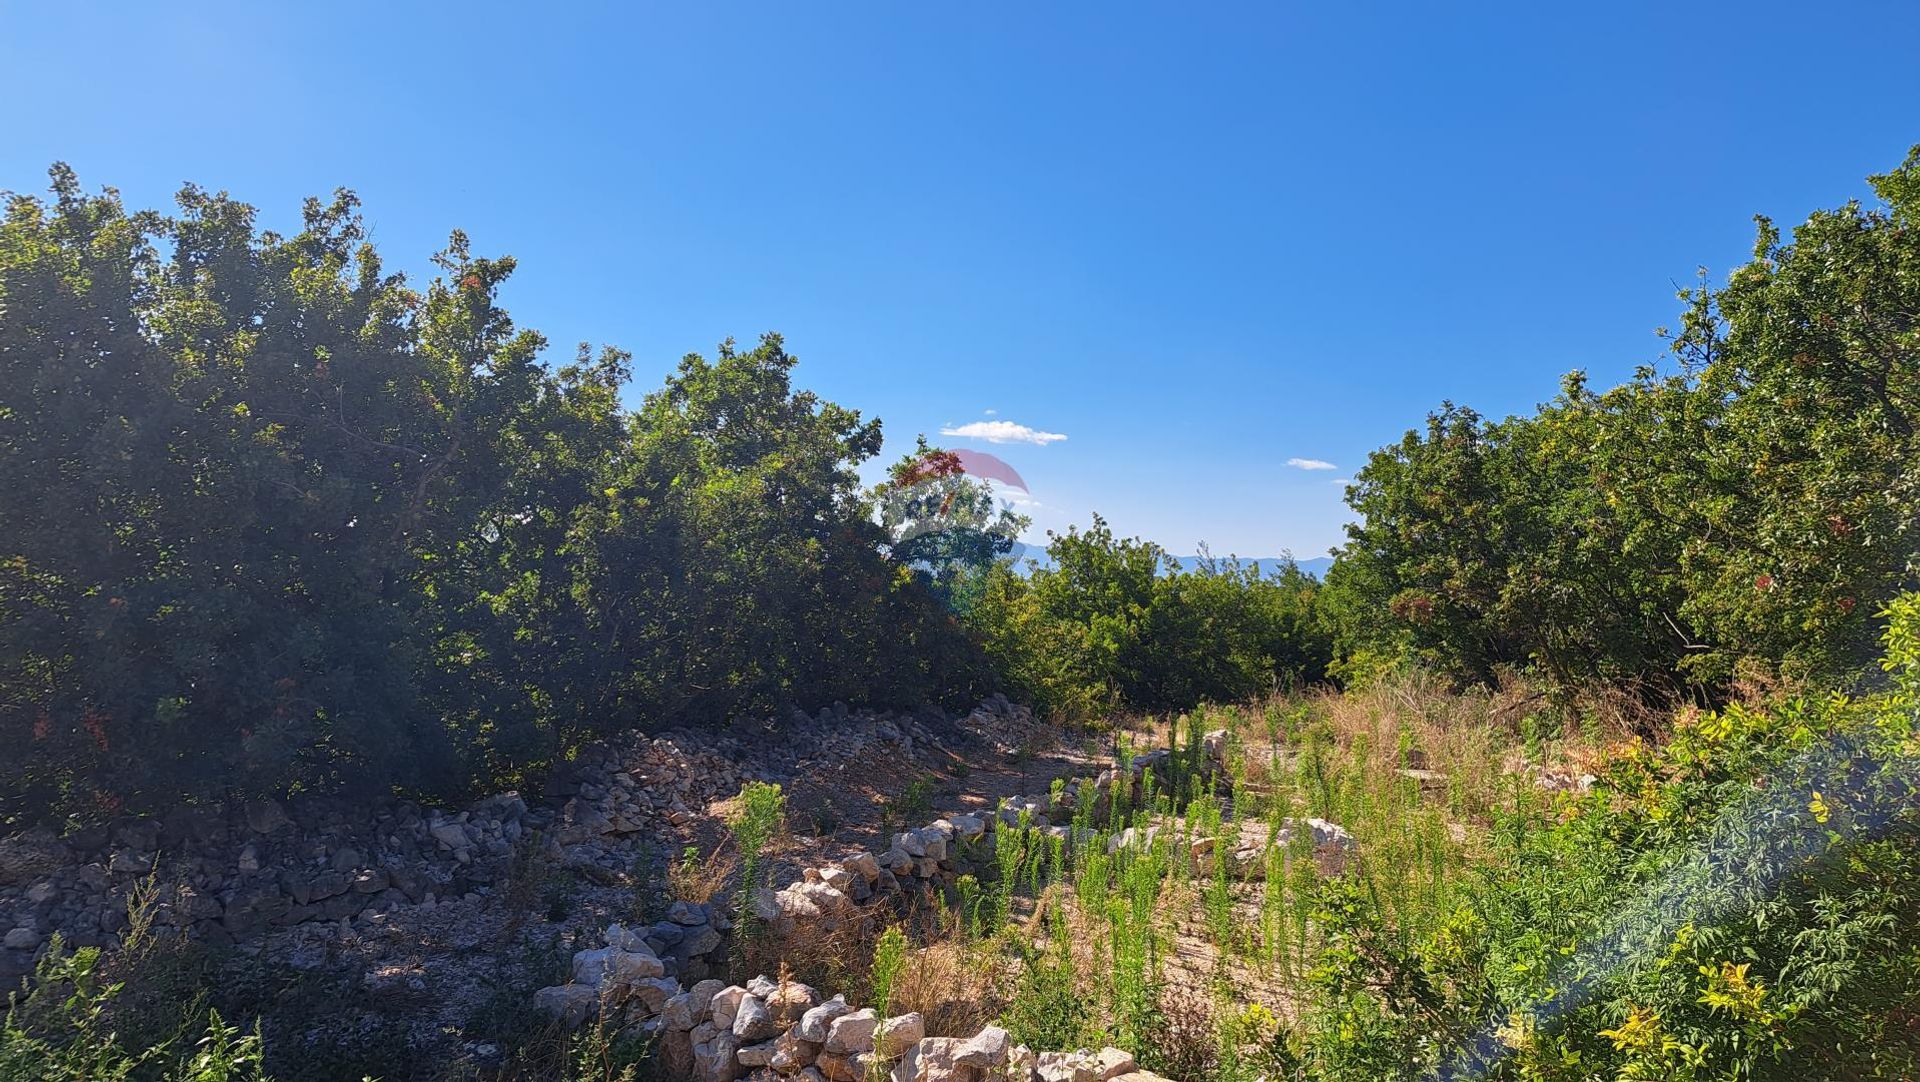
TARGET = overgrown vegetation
x,y
1739,902
275,518
762,813
1114,623
1756,507
278,522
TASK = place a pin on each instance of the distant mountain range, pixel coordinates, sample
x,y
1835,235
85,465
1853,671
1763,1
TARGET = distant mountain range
x,y
1317,566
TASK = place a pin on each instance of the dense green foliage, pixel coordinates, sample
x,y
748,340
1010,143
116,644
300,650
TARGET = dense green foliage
x,y
277,520
1115,622
63,1031
1741,903
1759,505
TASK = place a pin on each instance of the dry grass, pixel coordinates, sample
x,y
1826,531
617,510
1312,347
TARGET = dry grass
x,y
956,987
692,879
825,954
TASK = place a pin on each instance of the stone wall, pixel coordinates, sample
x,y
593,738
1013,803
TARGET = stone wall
x,y
232,874
764,1030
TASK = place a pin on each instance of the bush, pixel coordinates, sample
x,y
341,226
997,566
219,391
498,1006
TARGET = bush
x,y
1116,623
63,1031
1761,504
1741,903
277,520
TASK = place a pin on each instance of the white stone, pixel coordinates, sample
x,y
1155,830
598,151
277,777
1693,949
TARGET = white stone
x,y
892,1036
653,993
987,1049
571,1004
791,1052
852,1032
677,1013
703,994
626,939
813,1024
753,1021
716,1060
1063,1067
865,865
756,1055
932,1060
725,1004
622,967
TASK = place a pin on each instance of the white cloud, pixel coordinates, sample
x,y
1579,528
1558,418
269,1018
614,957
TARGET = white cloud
x,y
1002,432
1311,464
989,412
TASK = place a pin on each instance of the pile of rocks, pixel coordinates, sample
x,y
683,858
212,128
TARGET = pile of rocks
x,y
1563,781
1010,728
229,875
261,866
767,1029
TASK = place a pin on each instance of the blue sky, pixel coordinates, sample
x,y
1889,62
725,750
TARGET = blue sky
x,y
1197,241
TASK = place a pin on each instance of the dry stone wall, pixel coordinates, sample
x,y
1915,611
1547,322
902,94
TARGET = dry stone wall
x,y
233,874
765,1030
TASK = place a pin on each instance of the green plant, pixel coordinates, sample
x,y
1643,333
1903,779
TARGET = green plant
x,y
889,960
913,805
759,816
62,1031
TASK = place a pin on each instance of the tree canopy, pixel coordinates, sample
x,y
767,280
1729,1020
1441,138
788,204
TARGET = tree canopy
x,y
276,519
1756,506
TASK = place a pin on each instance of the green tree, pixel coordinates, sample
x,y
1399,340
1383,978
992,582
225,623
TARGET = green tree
x,y
1759,505
279,521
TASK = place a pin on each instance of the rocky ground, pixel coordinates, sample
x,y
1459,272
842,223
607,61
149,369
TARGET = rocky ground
x,y
419,933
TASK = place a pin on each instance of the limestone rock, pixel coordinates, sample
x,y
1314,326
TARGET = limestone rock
x,y
703,994
571,1004
813,1024
1063,1067
603,964
986,1050
791,1000
756,1055
845,1065
623,938
717,1059
1109,1063
792,1052
653,993
932,1060
676,1014
894,1035
864,865
852,1032
754,1021
725,1004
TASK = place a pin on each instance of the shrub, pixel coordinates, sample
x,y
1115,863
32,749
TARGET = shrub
x,y
1739,903
63,1031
